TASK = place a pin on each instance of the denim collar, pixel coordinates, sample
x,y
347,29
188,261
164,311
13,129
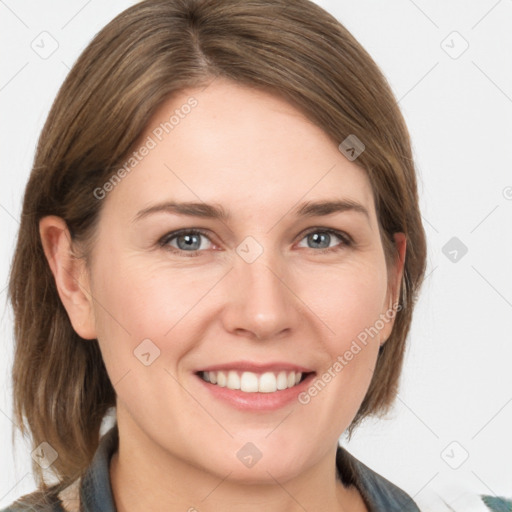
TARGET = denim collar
x,y
95,490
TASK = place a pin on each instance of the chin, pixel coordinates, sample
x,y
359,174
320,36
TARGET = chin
x,y
261,462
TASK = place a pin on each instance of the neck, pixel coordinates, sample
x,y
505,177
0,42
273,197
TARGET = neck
x,y
144,477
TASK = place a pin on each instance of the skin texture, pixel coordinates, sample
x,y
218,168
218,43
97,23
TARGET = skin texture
x,y
258,157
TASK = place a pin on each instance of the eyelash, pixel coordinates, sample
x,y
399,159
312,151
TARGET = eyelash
x,y
346,240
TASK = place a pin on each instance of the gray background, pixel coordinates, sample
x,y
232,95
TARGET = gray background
x,y
449,64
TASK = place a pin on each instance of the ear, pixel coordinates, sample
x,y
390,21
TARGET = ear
x,y
394,284
70,273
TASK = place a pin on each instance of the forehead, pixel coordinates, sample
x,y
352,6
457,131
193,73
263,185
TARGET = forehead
x,y
240,147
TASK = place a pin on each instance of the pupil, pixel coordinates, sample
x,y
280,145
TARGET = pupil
x,y
318,238
189,241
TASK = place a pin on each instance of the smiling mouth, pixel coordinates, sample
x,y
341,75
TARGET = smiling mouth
x,y
250,382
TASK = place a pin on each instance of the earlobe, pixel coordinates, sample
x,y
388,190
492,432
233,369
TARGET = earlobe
x,y
398,267
395,283
70,274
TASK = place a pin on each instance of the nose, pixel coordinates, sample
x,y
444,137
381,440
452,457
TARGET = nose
x,y
260,300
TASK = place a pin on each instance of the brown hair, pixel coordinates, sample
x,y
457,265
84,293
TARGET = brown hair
x,y
155,48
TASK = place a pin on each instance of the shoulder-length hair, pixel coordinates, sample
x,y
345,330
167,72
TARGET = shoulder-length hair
x,y
156,48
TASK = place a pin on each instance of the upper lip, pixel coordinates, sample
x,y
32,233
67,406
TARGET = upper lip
x,y
256,367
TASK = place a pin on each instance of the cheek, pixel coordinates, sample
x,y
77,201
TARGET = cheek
x,y
349,303
138,300
349,300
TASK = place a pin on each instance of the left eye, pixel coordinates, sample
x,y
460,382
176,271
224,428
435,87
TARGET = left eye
x,y
322,238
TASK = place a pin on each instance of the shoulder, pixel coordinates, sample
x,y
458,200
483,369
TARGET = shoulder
x,y
35,502
377,491
93,486
66,500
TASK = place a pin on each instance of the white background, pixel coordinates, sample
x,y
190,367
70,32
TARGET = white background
x,y
456,393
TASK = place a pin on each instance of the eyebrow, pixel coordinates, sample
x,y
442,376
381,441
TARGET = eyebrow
x,y
319,208
216,211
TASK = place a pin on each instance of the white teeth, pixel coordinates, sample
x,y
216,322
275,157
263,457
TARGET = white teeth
x,y
282,381
221,379
268,383
233,380
249,382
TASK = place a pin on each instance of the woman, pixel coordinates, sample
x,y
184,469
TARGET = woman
x,y
214,241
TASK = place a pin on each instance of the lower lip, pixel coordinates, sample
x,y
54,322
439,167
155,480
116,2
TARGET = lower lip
x,y
257,401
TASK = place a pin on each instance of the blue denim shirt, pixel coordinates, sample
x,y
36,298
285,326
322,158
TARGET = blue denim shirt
x,y
379,494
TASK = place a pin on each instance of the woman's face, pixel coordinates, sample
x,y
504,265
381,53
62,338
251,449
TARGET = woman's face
x,y
277,289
